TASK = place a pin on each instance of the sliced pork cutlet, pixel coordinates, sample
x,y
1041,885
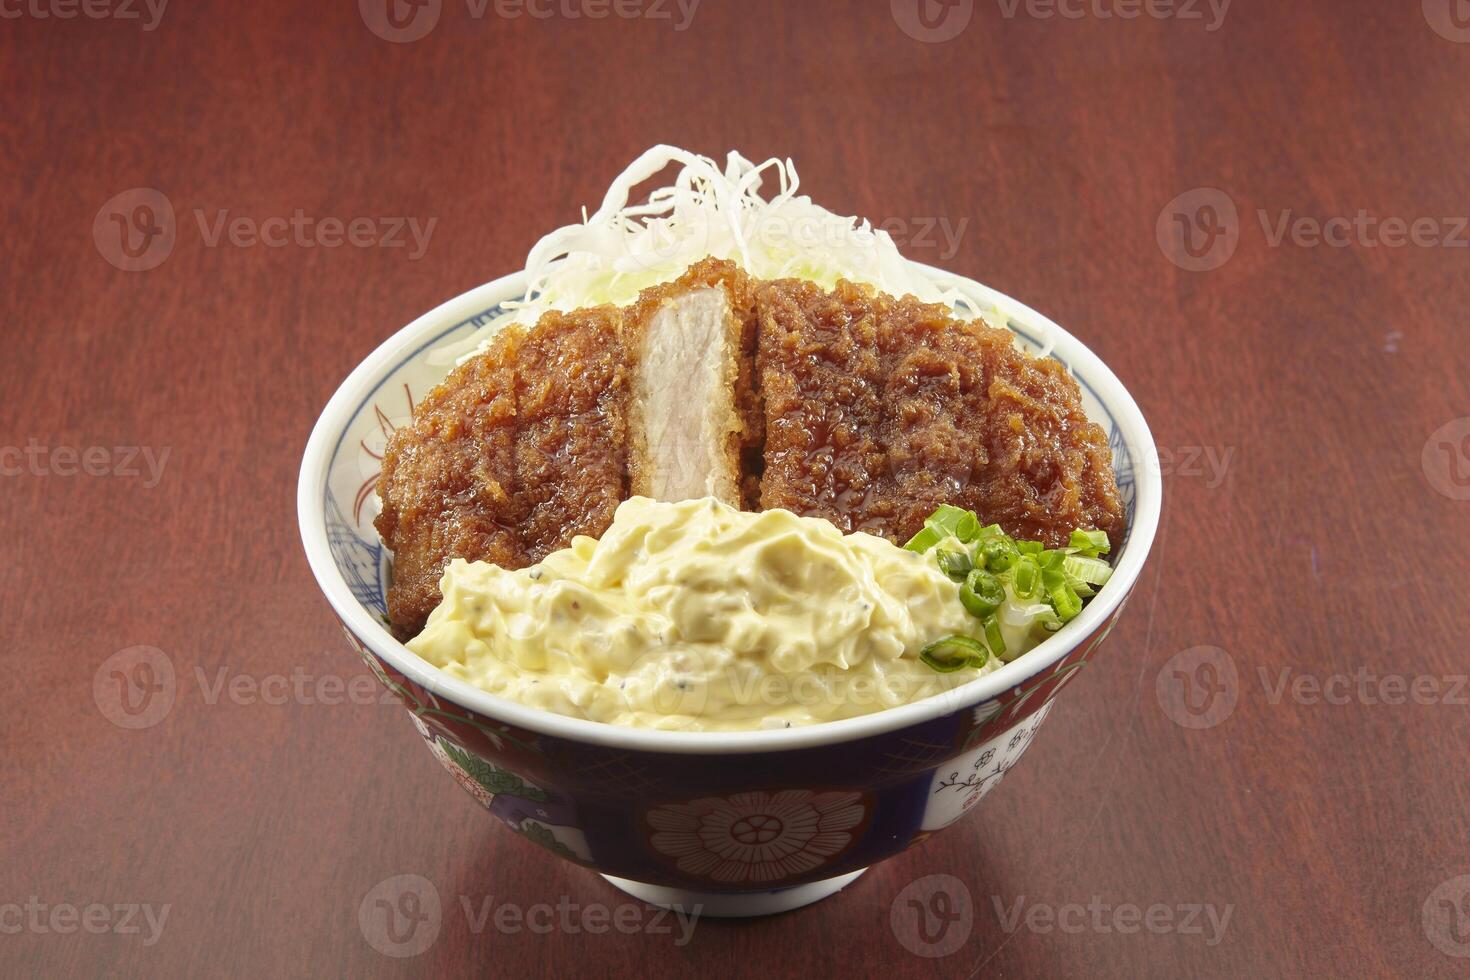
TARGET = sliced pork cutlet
x,y
878,410
510,457
693,403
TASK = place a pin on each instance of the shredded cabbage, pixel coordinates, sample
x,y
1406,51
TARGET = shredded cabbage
x,y
623,248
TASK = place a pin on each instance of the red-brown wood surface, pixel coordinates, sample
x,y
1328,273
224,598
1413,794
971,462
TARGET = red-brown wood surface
x,y
1313,533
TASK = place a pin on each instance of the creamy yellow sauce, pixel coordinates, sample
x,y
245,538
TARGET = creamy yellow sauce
x,y
701,617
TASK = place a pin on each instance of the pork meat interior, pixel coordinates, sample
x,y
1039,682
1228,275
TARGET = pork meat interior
x,y
686,347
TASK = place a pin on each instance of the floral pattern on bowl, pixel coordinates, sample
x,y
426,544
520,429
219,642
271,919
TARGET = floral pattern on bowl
x,y
757,837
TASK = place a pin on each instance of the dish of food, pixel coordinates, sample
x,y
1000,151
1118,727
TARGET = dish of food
x,y
656,494
891,534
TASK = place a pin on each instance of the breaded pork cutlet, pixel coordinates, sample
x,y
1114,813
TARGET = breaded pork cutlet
x,y
879,410
693,409
850,405
515,453
539,438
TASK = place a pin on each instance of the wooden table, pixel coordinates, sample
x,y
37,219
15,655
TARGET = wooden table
x,y
1298,809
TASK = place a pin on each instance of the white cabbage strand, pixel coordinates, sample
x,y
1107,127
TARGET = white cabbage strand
x,y
623,248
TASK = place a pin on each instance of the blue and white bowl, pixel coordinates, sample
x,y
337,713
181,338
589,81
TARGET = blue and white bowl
x,y
742,823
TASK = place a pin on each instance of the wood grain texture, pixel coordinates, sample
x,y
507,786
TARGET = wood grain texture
x,y
1321,547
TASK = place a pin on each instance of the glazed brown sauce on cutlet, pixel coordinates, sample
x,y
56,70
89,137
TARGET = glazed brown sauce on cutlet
x,y
864,409
513,455
879,410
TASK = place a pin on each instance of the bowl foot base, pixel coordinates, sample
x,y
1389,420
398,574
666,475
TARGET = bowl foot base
x,y
735,906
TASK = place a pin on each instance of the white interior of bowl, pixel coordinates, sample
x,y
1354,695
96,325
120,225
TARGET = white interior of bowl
x,y
336,505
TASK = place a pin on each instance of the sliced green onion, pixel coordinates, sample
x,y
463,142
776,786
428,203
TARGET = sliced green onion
x,y
999,554
981,594
1093,571
955,564
952,520
994,637
1090,543
924,540
1024,576
1065,601
1030,586
954,653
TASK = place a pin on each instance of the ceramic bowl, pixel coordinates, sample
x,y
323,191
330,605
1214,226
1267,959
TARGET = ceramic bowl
x,y
742,823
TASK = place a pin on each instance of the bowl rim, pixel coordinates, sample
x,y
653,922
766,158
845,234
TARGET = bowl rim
x,y
369,374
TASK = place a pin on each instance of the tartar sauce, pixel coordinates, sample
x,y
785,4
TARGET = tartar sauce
x,y
701,617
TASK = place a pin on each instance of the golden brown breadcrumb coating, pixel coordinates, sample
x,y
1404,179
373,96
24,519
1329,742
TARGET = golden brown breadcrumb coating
x,y
879,410
514,454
